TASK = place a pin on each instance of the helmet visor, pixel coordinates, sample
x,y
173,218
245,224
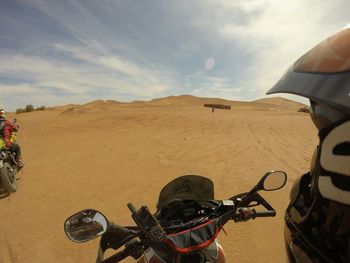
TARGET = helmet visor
x,y
323,115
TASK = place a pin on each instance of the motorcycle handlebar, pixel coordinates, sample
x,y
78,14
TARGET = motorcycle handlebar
x,y
241,214
120,230
245,213
269,213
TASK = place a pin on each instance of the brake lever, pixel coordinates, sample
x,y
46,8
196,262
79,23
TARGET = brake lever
x,y
263,202
244,200
111,239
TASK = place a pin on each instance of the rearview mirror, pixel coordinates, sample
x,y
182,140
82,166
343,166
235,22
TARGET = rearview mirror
x,y
85,225
273,180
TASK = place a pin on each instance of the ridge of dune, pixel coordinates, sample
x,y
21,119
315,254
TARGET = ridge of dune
x,y
266,104
277,101
186,100
274,103
194,100
101,102
190,100
280,102
91,104
180,99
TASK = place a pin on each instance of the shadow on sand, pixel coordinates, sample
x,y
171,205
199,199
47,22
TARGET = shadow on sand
x,y
3,193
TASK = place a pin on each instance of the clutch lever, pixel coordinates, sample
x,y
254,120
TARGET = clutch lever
x,y
117,236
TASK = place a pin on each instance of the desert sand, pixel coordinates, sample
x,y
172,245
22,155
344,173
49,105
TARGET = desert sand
x,y
105,154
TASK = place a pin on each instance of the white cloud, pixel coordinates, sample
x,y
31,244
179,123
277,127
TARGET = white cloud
x,y
146,81
216,87
118,50
279,34
82,81
187,49
123,66
24,94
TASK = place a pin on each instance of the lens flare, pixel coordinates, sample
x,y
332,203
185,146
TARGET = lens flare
x,y
210,63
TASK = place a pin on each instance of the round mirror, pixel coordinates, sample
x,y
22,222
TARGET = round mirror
x,y
85,225
274,180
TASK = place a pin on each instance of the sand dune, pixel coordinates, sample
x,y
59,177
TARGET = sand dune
x,y
105,154
280,103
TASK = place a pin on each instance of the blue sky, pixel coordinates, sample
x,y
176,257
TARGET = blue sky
x,y
69,51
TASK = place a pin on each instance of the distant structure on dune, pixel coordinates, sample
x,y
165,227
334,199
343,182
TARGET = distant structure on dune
x,y
217,106
304,109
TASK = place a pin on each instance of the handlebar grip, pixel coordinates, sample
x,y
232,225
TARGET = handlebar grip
x,y
120,230
269,213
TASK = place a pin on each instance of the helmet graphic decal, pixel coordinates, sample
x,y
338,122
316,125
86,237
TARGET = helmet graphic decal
x,y
335,159
330,56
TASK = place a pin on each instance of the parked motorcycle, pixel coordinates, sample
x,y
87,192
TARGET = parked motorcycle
x,y
185,226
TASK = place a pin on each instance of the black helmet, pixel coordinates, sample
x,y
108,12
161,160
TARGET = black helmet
x,y
2,114
322,74
318,216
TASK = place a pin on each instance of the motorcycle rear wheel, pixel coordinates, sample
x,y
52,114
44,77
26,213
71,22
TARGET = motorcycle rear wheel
x,y
8,178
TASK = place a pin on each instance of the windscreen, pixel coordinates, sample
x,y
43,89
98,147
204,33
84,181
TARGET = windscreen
x,y
192,187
